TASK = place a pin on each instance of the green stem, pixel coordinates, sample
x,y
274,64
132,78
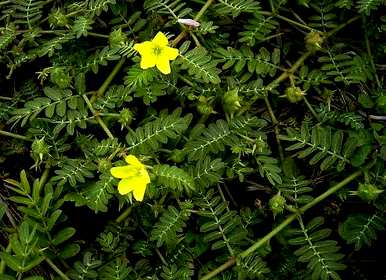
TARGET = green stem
x,y
97,35
288,20
108,81
316,116
275,83
231,262
123,216
113,115
2,263
343,25
283,224
14,135
203,9
271,113
186,80
371,56
6,98
276,128
331,190
98,118
195,39
57,270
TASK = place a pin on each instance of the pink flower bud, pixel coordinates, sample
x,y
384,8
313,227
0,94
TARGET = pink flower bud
x,y
188,22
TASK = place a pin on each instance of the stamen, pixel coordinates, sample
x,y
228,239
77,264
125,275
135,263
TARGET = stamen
x,y
157,50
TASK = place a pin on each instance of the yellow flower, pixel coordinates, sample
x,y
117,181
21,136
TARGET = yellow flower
x,y
156,53
134,177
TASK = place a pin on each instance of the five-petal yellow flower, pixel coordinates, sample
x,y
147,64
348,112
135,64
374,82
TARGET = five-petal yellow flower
x,y
134,177
156,53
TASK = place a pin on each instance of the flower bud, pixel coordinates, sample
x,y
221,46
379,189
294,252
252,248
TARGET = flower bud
x,y
231,101
188,22
277,204
117,38
203,107
177,156
368,192
61,77
57,19
104,166
294,94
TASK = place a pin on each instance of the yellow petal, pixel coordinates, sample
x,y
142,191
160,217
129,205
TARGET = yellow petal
x,y
160,40
123,171
148,61
133,160
143,48
163,65
145,176
139,192
170,53
125,186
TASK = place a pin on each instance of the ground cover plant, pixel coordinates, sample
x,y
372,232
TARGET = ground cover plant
x,y
172,139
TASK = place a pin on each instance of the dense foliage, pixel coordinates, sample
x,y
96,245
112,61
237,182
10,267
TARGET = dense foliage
x,y
266,145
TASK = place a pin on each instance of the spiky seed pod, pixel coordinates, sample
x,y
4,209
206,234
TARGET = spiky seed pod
x,y
57,19
294,94
125,117
117,38
314,41
203,107
39,149
368,192
277,204
231,101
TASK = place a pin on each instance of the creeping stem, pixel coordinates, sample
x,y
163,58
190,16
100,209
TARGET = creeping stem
x,y
57,270
14,135
108,80
282,225
98,118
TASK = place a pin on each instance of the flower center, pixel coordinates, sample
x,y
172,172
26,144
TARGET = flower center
x,y
157,50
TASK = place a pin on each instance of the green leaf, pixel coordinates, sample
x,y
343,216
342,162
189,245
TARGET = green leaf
x,y
13,262
24,182
69,251
63,235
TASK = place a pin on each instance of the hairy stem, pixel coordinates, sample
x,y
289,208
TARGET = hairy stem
x,y
109,79
343,25
287,20
57,270
316,116
98,35
283,225
14,135
370,55
2,263
231,262
276,128
98,118
123,216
